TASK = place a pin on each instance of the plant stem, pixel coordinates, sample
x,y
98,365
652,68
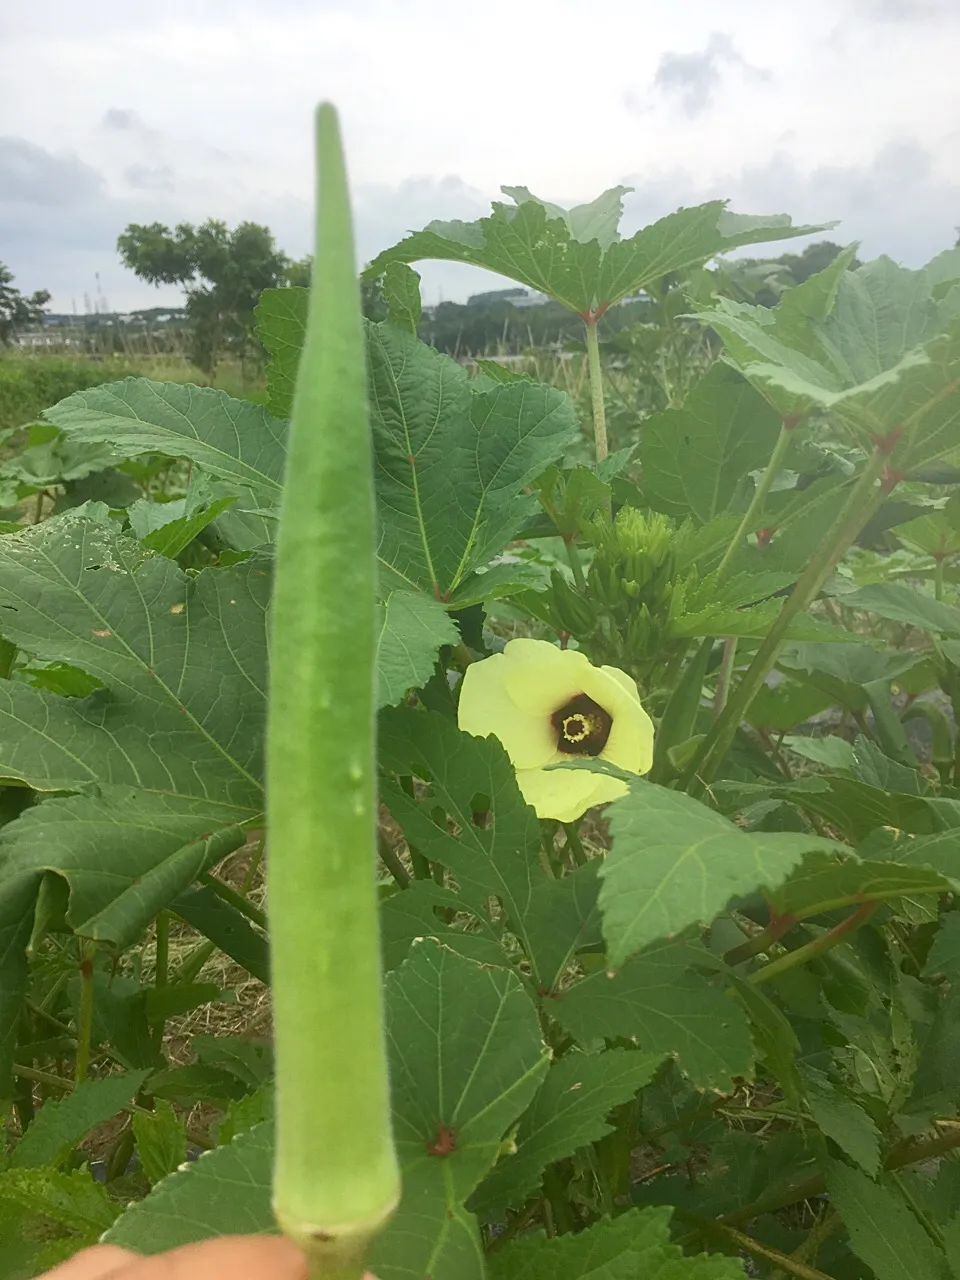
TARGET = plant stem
x,y
938,577
760,942
596,388
782,1260
85,1015
191,965
163,949
227,894
826,941
864,499
758,502
43,1077
575,844
573,555
391,860
725,674
556,1194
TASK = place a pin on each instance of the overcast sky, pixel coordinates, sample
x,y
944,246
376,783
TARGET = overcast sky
x,y
114,112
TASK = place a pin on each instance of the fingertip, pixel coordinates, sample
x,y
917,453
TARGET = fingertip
x,y
96,1263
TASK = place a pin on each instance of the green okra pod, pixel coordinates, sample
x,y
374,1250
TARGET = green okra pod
x,y
336,1178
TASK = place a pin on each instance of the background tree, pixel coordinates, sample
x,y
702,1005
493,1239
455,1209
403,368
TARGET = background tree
x,y
223,273
16,310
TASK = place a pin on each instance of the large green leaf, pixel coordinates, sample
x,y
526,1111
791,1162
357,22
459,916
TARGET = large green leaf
x,y
226,1192
633,1245
576,256
466,1060
233,439
675,863
568,1112
695,458
495,857
663,1004
883,1230
452,460
59,1125
882,354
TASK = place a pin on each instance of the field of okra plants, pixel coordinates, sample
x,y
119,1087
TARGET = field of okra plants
x,y
611,826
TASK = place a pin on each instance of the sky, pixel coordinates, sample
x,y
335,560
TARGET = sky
x,y
115,112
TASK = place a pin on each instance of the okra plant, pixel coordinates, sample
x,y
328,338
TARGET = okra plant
x,y
611,827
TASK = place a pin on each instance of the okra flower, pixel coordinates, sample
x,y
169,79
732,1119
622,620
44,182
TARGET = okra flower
x,y
547,705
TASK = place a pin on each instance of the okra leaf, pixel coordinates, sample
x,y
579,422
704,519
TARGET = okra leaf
x,y
466,1060
675,863
695,458
161,1140
822,883
661,1003
899,603
943,958
839,1118
59,1125
225,1192
71,1200
281,327
452,461
635,1243
495,850
234,439
401,293
569,1111
412,628
576,256
883,1231
411,914
883,356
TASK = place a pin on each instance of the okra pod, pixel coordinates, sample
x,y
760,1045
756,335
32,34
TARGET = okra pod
x,y
336,1178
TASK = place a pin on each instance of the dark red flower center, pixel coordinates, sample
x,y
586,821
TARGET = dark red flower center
x,y
582,726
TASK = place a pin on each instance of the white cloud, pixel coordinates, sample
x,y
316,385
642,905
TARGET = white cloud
x,y
199,109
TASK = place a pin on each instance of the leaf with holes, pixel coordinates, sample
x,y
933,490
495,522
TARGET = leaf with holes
x,y
495,852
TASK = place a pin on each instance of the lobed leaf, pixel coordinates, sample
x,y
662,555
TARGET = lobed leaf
x,y
675,863
59,1125
569,1111
660,1002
